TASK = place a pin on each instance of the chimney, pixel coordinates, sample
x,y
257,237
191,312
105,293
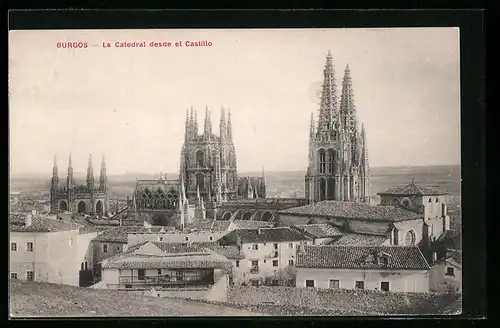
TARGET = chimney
x,y
302,248
33,212
28,220
434,257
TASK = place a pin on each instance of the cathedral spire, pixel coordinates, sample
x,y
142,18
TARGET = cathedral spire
x,y
222,125
347,106
328,107
229,126
208,124
55,173
312,129
90,174
70,180
186,134
103,179
195,124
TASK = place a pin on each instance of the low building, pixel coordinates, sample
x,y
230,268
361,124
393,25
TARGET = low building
x,y
162,265
175,236
321,233
42,249
446,273
384,268
265,251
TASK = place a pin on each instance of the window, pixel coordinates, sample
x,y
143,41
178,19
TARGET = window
x,y
237,264
335,284
29,246
159,272
309,283
297,246
255,264
450,271
290,262
105,248
383,260
437,200
30,275
265,261
406,202
275,263
255,246
322,161
275,246
359,285
290,245
331,160
86,265
13,247
140,274
410,238
384,286
13,275
211,238
117,248
160,238
430,200
82,266
186,238
179,276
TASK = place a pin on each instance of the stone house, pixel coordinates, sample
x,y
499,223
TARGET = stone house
x,y
164,265
446,273
265,251
384,268
42,249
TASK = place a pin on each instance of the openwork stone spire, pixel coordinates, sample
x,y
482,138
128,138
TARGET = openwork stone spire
x,y
347,106
90,174
328,108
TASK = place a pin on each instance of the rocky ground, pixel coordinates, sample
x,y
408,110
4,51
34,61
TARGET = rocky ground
x,y
33,299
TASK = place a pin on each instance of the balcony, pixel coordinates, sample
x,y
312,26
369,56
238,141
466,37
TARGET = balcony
x,y
273,255
254,270
165,282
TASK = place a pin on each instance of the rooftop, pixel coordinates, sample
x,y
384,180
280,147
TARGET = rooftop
x,y
412,189
319,230
269,235
251,224
40,224
120,234
361,257
354,210
356,239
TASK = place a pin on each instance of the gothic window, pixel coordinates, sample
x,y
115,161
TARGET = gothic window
x,y
395,202
322,160
322,189
430,200
331,160
406,202
410,238
437,200
200,158
200,180
331,189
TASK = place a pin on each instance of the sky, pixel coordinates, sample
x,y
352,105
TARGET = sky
x,y
130,103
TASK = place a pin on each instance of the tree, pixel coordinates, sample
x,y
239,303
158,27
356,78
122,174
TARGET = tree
x,y
285,276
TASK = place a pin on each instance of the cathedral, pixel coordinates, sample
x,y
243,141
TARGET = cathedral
x,y
338,157
90,199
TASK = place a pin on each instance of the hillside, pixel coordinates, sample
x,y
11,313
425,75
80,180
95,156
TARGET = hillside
x,y
28,299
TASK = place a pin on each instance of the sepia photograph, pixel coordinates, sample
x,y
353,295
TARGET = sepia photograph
x,y
234,172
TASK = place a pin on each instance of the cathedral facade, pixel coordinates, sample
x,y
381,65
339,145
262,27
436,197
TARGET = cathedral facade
x,y
90,198
338,166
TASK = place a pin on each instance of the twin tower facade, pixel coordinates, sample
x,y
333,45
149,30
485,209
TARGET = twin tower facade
x,y
338,166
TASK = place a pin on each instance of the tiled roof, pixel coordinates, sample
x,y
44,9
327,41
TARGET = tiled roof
x,y
178,262
41,224
455,255
230,252
320,230
356,239
173,248
250,224
361,257
209,225
120,234
220,225
269,235
412,189
354,210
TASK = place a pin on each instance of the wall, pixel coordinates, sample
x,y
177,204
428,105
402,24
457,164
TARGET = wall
x,y
264,256
405,226
38,260
86,249
440,282
64,266
113,249
399,280
341,301
218,292
110,277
